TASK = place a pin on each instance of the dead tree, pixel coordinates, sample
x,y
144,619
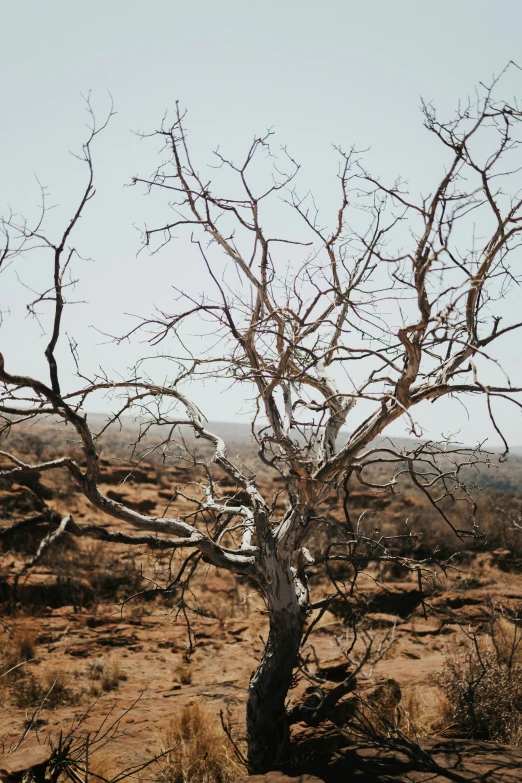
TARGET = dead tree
x,y
390,302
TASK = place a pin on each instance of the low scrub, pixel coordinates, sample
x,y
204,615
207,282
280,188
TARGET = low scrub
x,y
104,676
51,689
201,752
17,648
483,685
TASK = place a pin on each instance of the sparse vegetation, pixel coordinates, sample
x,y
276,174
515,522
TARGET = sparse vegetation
x,y
227,607
483,684
200,752
183,672
50,689
19,644
104,676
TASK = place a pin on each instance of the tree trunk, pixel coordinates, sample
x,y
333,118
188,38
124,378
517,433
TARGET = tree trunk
x,y
267,724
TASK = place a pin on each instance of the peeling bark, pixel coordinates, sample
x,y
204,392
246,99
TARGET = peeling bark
x,y
267,722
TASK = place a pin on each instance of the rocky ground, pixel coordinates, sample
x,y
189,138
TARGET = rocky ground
x,y
83,647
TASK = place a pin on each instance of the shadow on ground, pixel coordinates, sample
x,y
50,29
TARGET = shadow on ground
x,y
432,761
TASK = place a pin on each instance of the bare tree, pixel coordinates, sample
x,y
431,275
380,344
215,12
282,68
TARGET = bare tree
x,y
391,303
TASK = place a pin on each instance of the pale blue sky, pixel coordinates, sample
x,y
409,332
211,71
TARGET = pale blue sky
x,y
320,73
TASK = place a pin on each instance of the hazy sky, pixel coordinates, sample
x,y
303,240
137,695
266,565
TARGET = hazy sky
x,y
331,72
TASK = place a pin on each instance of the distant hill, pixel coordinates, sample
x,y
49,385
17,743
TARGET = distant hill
x,y
505,476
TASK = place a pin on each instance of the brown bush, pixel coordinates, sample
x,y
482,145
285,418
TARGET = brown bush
x,y
183,672
52,689
376,714
224,608
24,640
201,752
87,574
104,676
17,646
483,685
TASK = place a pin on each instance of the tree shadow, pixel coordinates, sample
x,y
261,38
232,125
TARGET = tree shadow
x,y
429,761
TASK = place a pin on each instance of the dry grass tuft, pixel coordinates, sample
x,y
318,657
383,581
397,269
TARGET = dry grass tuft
x,y
422,711
377,713
483,685
231,607
24,685
201,751
24,641
51,689
389,713
183,672
105,676
18,645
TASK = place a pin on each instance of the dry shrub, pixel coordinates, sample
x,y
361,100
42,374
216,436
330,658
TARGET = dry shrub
x,y
105,676
483,685
227,608
201,751
421,712
52,689
115,578
388,713
220,609
22,685
138,608
24,640
183,672
18,644
16,647
87,574
377,713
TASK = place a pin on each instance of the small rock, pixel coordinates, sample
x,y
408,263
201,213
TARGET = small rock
x,y
335,672
421,627
13,766
382,620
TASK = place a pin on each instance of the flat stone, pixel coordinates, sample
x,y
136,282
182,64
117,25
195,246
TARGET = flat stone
x,y
24,759
383,620
421,627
